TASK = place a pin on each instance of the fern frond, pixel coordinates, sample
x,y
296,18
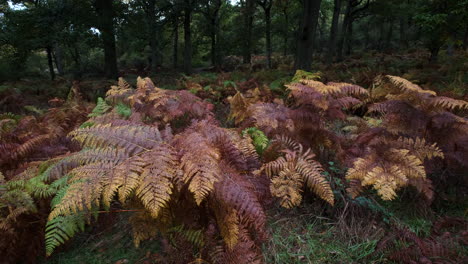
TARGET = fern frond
x,y
119,93
408,86
200,165
259,139
132,139
61,229
448,103
285,172
155,187
101,108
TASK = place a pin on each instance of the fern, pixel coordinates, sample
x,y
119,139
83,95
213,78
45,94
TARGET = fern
x,y
101,108
259,139
291,172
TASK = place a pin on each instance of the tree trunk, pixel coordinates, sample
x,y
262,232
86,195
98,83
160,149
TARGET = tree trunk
x,y
268,35
306,34
249,10
403,42
50,62
333,30
388,41
105,13
187,41
344,29
213,43
57,54
175,55
465,40
153,35
286,32
349,38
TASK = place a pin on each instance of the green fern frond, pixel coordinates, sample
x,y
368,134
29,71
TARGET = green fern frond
x,y
101,108
123,110
259,139
61,229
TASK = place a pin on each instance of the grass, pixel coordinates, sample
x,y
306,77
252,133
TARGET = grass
x,y
302,237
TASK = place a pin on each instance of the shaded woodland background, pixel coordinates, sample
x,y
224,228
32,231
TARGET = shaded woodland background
x,y
77,39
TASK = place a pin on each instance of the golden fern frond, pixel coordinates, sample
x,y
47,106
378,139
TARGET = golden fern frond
x,y
386,174
320,87
238,108
407,86
349,89
228,223
155,187
84,192
285,172
287,186
447,103
419,147
132,139
200,163
119,93
311,170
86,156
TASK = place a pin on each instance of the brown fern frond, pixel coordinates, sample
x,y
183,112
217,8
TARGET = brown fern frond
x,y
239,106
271,117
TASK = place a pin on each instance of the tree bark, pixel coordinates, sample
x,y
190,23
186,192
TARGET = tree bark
x,y
153,35
175,55
403,42
57,55
333,30
465,40
50,62
344,31
248,10
187,41
306,34
349,38
286,32
105,13
388,41
266,6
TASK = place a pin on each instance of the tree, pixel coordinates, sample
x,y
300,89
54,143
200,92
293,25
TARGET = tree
x,y
333,31
211,9
266,6
248,12
306,34
105,12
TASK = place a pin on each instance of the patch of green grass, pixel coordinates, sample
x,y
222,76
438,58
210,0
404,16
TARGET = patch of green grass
x,y
309,239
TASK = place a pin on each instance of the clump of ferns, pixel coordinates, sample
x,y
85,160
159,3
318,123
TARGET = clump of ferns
x,y
35,138
292,169
174,180
409,110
